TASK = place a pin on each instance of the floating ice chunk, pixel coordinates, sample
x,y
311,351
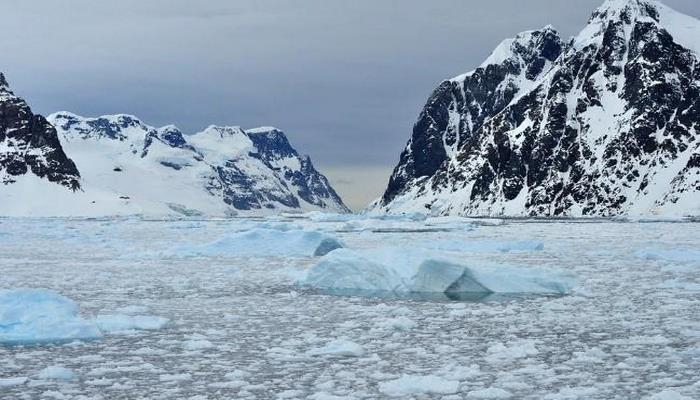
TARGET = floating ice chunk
x,y
422,271
518,349
318,216
339,348
348,269
400,323
668,395
411,385
175,377
484,246
200,344
32,316
265,242
57,373
121,323
489,393
677,255
20,380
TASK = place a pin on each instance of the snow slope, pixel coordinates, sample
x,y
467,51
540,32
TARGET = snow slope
x,y
117,165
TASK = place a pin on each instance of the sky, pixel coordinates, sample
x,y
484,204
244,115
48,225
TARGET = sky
x,y
345,79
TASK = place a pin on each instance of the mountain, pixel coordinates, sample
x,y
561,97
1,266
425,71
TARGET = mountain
x,y
68,165
29,145
604,124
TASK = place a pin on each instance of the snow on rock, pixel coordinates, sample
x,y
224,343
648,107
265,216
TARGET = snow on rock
x,y
119,165
603,124
263,242
56,372
338,348
414,385
32,316
415,270
124,323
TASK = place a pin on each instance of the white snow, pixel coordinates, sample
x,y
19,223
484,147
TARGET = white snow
x,y
121,177
32,316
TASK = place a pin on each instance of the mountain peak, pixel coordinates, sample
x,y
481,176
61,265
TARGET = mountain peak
x,y
627,10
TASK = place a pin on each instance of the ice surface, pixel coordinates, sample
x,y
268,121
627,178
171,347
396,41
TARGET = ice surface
x,y
264,242
56,372
679,255
629,330
32,316
6,382
411,385
123,323
412,270
340,348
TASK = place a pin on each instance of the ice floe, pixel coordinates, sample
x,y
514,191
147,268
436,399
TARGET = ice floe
x,y
338,348
675,255
413,385
58,373
423,271
33,316
124,323
263,242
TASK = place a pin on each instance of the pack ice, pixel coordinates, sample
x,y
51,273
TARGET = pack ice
x,y
413,270
264,242
31,316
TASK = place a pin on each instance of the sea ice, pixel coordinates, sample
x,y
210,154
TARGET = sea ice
x,y
676,255
423,271
20,380
56,372
339,348
120,323
32,316
263,242
412,385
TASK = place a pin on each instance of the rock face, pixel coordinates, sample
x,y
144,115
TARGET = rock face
x,y
219,171
605,124
30,145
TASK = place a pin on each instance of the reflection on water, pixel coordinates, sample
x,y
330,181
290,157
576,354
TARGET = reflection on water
x,y
463,297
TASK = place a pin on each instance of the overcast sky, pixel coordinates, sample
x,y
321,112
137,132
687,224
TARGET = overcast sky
x,y
344,79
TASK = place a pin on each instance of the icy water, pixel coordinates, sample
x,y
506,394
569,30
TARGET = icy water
x,y
240,328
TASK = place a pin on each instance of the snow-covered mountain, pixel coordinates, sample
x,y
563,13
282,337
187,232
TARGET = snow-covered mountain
x,y
117,165
607,123
29,145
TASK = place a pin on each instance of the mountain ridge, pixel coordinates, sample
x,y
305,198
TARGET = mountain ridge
x,y
603,124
